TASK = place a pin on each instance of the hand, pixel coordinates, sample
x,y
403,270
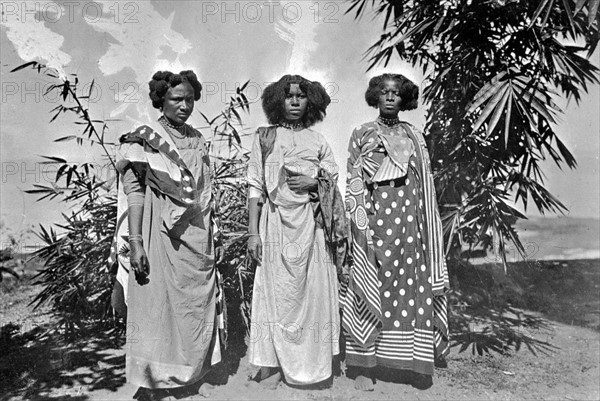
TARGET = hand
x,y
301,183
255,247
139,262
219,254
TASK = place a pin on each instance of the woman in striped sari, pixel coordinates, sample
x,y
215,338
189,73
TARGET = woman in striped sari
x,y
394,307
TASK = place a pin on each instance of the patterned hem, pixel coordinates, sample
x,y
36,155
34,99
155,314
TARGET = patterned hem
x,y
371,361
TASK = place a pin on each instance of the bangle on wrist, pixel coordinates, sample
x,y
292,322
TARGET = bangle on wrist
x,y
135,238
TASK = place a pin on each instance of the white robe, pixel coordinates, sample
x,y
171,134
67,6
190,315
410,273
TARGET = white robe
x,y
295,317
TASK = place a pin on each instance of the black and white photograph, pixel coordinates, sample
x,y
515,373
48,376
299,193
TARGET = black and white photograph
x,y
299,200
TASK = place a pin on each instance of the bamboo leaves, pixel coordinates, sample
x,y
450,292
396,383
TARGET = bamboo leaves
x,y
496,98
493,70
75,277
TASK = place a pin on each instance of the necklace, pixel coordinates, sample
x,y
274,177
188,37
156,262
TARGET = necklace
x,y
389,122
174,128
291,126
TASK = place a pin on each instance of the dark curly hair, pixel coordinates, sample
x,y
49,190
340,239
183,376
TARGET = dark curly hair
x,y
163,80
409,92
273,100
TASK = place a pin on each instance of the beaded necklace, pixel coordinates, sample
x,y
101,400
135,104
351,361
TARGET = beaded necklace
x,y
184,140
388,122
174,129
291,126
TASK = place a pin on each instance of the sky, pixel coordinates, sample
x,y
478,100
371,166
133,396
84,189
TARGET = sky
x,y
119,45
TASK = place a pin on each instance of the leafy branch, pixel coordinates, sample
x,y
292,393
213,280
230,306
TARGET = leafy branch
x,y
493,72
75,277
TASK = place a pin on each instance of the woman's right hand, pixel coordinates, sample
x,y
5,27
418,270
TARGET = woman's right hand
x,y
139,262
255,247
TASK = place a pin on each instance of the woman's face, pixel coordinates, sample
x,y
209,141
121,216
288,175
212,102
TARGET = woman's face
x,y
389,99
179,103
295,103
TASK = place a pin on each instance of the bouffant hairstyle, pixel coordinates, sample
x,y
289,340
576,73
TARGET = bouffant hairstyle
x,y
273,100
409,92
163,80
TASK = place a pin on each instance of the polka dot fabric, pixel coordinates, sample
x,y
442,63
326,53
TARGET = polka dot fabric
x,y
395,213
398,285
406,303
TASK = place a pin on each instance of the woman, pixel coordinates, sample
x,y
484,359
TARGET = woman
x,y
292,178
394,307
173,313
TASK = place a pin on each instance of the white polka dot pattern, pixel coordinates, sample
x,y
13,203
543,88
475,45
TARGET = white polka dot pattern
x,y
395,226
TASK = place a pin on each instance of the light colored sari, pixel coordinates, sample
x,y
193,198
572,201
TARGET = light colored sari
x,y
295,318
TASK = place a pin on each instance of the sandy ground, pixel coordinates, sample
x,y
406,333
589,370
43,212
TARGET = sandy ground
x,y
538,330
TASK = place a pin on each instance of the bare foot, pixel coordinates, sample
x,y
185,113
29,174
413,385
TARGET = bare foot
x,y
363,383
268,378
440,362
205,390
272,381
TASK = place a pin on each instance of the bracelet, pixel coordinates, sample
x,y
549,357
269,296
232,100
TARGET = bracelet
x,y
135,238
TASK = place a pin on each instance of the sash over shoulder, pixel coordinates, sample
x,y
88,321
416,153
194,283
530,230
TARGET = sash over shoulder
x,y
165,171
156,158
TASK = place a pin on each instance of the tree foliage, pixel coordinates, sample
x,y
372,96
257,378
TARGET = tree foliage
x,y
76,279
493,72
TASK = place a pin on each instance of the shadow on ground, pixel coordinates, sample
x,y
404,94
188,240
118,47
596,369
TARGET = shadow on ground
x,y
33,366
491,311
236,346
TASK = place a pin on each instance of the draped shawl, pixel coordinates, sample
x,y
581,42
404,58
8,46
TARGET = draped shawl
x,y
156,158
328,205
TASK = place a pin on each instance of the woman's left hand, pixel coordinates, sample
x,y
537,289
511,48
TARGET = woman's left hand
x,y
302,183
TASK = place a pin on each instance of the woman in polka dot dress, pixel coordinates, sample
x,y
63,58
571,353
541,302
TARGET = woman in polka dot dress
x,y
394,307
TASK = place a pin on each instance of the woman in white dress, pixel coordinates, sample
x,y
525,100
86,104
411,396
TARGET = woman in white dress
x,y
294,228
